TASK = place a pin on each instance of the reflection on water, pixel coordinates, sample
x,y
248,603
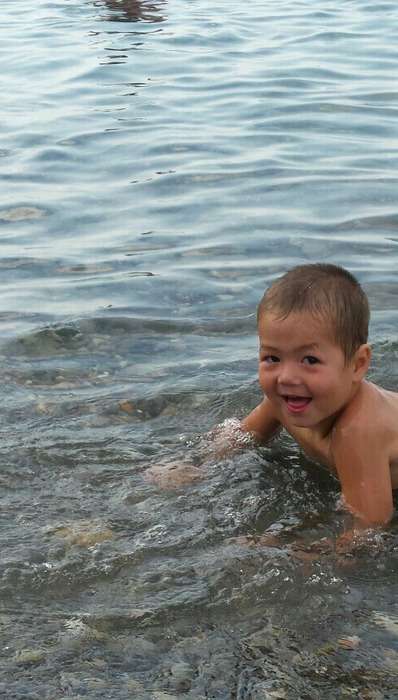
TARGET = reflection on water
x,y
153,182
133,10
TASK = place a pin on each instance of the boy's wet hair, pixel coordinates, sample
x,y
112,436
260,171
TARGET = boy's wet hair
x,y
328,292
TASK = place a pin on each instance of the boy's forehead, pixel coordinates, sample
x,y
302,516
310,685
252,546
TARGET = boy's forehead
x,y
301,327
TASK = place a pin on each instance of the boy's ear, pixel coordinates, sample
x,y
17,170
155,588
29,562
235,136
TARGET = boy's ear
x,y
362,359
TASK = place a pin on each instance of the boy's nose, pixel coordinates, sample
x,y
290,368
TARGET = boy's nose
x,y
288,376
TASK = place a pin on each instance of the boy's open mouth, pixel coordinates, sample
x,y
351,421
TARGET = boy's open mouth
x,y
296,404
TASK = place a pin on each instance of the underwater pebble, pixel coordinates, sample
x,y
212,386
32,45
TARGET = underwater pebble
x,y
29,656
391,660
142,646
84,269
173,475
85,533
101,664
169,411
349,642
97,341
182,675
69,682
6,621
97,421
65,385
266,540
95,683
127,407
45,408
262,692
23,692
21,213
99,625
163,696
138,613
76,629
388,622
134,686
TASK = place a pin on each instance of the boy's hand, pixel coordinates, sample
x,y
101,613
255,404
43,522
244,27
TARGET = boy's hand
x,y
227,437
222,440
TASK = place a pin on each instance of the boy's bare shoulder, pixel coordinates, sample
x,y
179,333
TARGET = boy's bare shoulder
x,y
372,410
371,405
370,424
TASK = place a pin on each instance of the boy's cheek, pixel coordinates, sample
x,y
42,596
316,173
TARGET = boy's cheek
x,y
264,382
267,391
263,374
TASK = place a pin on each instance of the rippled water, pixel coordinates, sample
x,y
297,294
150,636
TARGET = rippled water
x,y
160,163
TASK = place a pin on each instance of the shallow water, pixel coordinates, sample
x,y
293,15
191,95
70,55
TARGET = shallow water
x,y
160,164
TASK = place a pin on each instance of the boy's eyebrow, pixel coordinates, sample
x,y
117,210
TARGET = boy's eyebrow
x,y
302,348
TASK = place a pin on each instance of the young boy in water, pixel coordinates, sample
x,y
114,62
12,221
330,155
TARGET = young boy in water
x,y
314,355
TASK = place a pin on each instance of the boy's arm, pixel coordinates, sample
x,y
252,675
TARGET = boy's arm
x,y
363,469
232,434
262,422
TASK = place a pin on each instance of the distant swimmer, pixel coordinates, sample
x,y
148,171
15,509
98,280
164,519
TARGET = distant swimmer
x,y
136,10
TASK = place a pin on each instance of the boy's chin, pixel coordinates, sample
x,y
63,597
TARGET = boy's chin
x,y
304,419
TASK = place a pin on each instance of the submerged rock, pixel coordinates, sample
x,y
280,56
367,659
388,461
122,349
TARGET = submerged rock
x,y
29,656
134,686
181,676
349,642
45,408
111,621
85,533
388,622
173,475
390,661
21,213
127,407
76,629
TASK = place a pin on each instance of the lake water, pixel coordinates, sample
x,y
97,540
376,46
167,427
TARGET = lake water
x,y
160,164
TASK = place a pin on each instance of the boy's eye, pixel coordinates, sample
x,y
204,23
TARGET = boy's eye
x,y
310,360
270,359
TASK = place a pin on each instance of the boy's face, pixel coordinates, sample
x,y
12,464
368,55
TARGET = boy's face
x,y
303,371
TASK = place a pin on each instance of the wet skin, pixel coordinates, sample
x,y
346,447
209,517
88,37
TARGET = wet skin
x,y
323,401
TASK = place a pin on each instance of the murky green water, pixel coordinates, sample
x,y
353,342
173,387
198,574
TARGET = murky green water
x,y
160,163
